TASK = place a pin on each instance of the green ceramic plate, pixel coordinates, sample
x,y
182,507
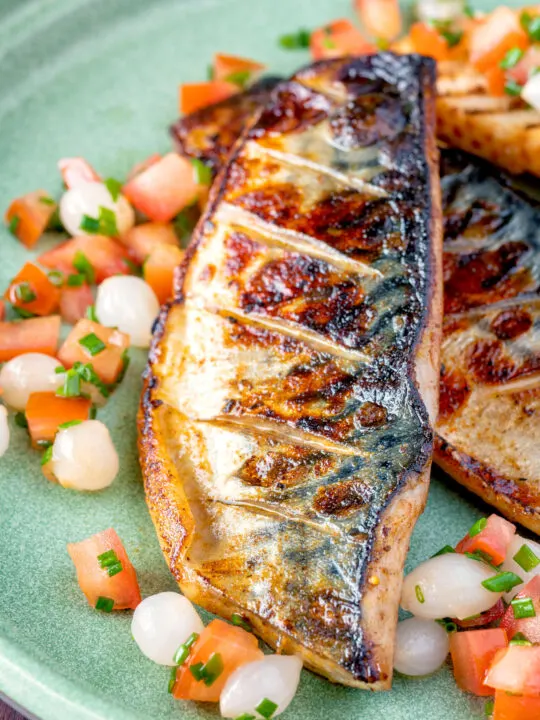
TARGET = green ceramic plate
x,y
98,78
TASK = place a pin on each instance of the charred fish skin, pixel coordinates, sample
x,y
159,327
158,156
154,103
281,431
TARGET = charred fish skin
x,y
487,432
284,432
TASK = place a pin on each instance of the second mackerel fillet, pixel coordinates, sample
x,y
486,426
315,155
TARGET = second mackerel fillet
x,y
284,430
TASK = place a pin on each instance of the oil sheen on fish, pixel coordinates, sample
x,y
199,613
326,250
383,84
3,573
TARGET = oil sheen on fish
x,y
488,429
284,427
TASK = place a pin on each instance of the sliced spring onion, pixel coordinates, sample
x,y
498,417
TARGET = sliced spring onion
x,y
14,224
452,37
209,671
68,424
75,280
47,455
92,344
172,680
468,11
91,313
526,558
107,222
185,221
240,621
46,200
89,224
511,58
114,187
202,173
93,412
266,708
24,292
502,582
21,312
20,420
240,78
84,266
481,556
489,705
531,25
56,277
210,72
246,716
104,603
419,594
523,608
71,386
448,624
329,43
478,526
520,639
295,41
109,561
181,655
197,671
513,88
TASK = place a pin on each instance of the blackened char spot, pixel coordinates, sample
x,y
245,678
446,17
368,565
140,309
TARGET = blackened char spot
x,y
367,120
342,498
480,219
293,108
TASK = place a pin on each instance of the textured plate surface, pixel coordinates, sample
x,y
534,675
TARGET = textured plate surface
x,y
98,78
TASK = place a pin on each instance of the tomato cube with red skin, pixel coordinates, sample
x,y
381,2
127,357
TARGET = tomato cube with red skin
x,y
493,540
28,216
515,670
472,652
40,334
32,291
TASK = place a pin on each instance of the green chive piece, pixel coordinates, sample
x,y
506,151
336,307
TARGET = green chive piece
x,y
488,707
93,412
104,603
444,551
452,37
419,594
468,11
266,708
513,88
526,558
89,225
113,570
71,386
210,72
295,41
511,58
109,557
520,639
240,621
46,200
181,655
56,277
14,224
91,313
114,187
482,556
185,221
240,78
212,669
47,456
172,680
197,671
107,222
478,526
502,582
125,364
20,420
92,344
531,25
84,266
75,280
68,424
21,312
203,174
523,608
246,716
329,43
55,224
24,292
448,624
87,373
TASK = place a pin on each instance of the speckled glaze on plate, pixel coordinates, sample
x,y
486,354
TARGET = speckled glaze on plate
x,y
99,78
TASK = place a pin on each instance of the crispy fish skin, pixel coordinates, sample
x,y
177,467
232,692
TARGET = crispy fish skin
x,y
284,434
488,432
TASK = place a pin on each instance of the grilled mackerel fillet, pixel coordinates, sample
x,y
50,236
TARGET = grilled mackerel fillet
x,y
488,428
284,432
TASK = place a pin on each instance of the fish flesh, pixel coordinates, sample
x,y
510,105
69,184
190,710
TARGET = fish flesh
x,y
488,432
284,427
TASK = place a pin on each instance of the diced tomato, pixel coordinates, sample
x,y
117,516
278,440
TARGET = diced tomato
x,y
29,215
428,41
76,170
515,707
528,63
109,362
516,670
226,66
490,41
74,302
144,165
338,38
142,239
485,618
39,334
45,411
32,291
159,270
493,540
381,18
530,627
95,581
193,96
496,80
163,189
472,652
236,647
106,256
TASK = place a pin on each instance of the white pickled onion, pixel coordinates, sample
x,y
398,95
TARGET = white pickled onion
x,y
511,565
130,304
531,92
86,199
439,10
26,374
163,622
275,677
421,646
4,430
84,457
448,586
